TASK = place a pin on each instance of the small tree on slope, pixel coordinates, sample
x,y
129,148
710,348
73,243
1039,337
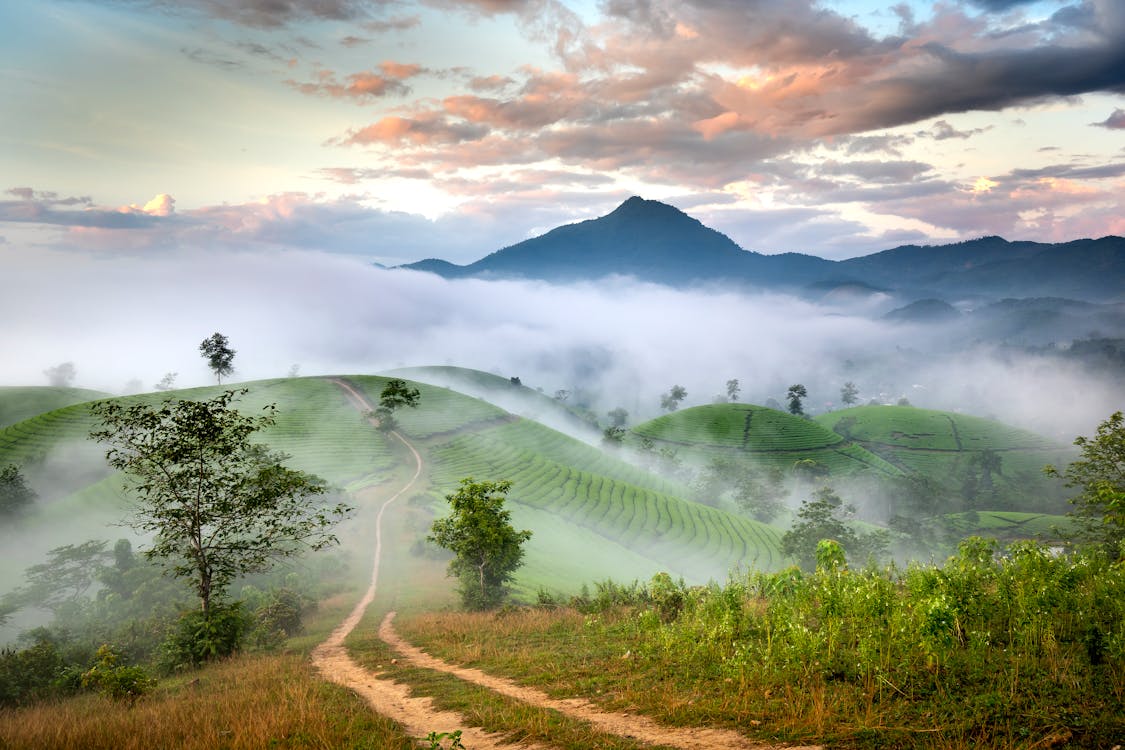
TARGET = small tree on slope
x,y
218,505
479,532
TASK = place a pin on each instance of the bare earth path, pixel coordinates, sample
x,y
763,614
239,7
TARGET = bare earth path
x,y
419,715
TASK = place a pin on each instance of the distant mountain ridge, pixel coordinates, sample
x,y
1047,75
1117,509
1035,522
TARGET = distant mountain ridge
x,y
655,242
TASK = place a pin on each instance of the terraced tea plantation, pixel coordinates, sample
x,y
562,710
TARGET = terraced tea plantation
x,y
577,491
18,403
760,437
953,449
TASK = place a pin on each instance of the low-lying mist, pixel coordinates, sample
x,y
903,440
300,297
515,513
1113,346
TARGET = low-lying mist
x,y
125,322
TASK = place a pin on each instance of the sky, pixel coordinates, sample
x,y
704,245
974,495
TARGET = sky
x,y
393,130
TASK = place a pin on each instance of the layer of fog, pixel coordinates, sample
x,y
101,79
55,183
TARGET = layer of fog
x,y
125,322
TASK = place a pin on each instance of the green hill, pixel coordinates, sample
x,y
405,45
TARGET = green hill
x,y
571,494
18,403
990,464
511,396
760,436
594,516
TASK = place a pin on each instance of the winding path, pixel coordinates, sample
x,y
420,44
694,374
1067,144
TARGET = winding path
x,y
418,714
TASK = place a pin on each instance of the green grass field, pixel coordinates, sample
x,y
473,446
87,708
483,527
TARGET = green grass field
x,y
18,403
638,521
760,438
949,448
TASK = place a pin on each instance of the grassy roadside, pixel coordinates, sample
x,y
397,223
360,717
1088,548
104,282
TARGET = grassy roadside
x,y
1015,652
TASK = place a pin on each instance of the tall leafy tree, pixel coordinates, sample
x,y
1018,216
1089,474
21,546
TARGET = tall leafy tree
x,y
61,375
395,395
1099,474
220,357
487,548
795,395
849,393
670,401
219,506
733,389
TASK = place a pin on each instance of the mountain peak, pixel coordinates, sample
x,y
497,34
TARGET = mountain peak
x,y
636,206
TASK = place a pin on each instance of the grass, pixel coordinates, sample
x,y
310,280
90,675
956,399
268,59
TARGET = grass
x,y
252,702
978,653
18,403
948,448
584,487
927,429
409,583
760,438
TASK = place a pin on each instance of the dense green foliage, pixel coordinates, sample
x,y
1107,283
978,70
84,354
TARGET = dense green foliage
x,y
395,395
220,357
219,506
1100,475
487,549
15,495
759,438
1020,647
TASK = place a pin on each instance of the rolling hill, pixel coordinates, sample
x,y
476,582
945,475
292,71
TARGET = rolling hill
x,y
759,436
628,522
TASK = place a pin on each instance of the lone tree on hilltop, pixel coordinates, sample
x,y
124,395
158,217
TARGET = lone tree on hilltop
x,y
486,546
1100,475
794,396
220,357
733,389
849,393
395,395
61,375
670,401
218,505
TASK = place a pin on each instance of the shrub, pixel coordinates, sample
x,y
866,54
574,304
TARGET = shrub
x,y
117,681
201,637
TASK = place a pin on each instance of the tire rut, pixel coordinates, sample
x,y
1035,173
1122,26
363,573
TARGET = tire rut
x,y
419,715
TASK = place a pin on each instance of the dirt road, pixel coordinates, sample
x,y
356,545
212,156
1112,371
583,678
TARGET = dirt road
x,y
419,715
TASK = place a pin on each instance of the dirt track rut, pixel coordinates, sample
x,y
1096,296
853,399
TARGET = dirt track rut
x,y
418,714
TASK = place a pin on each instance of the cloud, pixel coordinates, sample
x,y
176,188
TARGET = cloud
x,y
271,14
36,207
1116,120
622,341
363,85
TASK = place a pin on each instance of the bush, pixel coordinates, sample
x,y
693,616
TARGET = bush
x,y
201,637
117,681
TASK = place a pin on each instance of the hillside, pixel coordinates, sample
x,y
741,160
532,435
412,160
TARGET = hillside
x,y
18,403
759,436
630,522
986,461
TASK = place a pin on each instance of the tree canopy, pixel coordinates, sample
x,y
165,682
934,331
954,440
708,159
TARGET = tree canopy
x,y
487,548
670,401
219,505
795,395
1099,474
15,495
395,395
220,357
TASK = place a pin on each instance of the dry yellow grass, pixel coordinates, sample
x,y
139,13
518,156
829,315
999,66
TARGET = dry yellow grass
x,y
250,702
